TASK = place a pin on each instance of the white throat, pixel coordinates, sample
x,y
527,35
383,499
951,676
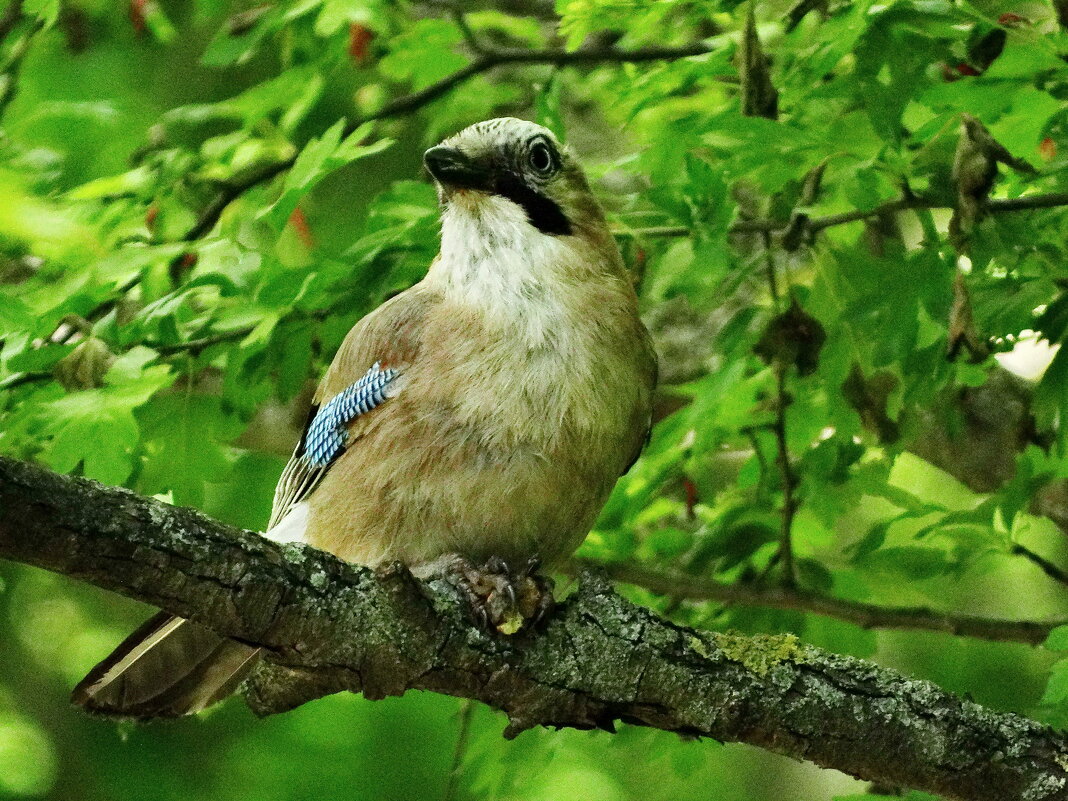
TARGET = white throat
x,y
494,259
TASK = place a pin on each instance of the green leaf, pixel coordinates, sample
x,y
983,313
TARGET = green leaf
x,y
319,158
238,44
101,444
1050,403
547,106
184,436
47,11
295,91
1057,687
131,181
909,561
1057,639
157,22
337,13
424,53
96,429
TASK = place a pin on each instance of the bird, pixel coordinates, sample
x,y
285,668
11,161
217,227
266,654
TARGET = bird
x,y
472,425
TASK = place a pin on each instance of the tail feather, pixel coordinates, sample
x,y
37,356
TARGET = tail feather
x,y
167,668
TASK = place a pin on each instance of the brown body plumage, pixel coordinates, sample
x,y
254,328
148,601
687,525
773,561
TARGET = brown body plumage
x,y
510,460
523,392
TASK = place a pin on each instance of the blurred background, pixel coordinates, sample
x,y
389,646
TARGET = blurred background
x,y
875,384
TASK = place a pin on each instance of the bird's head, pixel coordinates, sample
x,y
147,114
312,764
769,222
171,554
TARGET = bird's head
x,y
522,236
516,170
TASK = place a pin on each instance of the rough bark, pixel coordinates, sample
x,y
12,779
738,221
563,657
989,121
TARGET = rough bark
x,y
332,626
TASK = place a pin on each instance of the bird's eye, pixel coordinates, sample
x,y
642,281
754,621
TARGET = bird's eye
x,y
541,159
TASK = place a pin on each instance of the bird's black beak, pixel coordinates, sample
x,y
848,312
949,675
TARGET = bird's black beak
x,y
453,169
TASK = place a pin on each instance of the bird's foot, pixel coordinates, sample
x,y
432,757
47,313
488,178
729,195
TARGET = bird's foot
x,y
499,598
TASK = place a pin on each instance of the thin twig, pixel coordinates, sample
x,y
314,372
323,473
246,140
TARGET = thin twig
x,y
229,191
865,615
195,346
769,266
13,68
11,17
778,428
456,11
1048,201
789,479
192,347
750,433
1053,571
998,205
20,379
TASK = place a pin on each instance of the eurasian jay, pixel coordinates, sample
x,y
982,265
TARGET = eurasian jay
x,y
481,416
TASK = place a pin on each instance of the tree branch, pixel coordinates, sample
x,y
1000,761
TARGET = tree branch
x,y
865,615
995,206
229,191
20,379
790,481
11,17
195,346
1045,565
333,626
470,37
9,79
486,60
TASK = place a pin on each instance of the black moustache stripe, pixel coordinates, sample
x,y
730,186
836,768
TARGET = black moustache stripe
x,y
543,213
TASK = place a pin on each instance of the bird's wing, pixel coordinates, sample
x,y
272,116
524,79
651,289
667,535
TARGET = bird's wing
x,y
366,372
326,435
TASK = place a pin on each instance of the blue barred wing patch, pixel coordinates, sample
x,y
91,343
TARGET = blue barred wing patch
x,y
328,431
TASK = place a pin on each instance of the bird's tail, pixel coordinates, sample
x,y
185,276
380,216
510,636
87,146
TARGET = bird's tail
x,y
167,668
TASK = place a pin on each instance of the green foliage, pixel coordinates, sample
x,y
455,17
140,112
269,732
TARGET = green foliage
x,y
157,337
318,158
1055,698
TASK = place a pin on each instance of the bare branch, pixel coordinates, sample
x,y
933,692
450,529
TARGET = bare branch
x,y
9,79
1053,571
21,379
1048,201
11,17
865,615
459,16
999,205
195,346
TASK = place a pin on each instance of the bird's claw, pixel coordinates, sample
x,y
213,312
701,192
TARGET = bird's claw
x,y
500,599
